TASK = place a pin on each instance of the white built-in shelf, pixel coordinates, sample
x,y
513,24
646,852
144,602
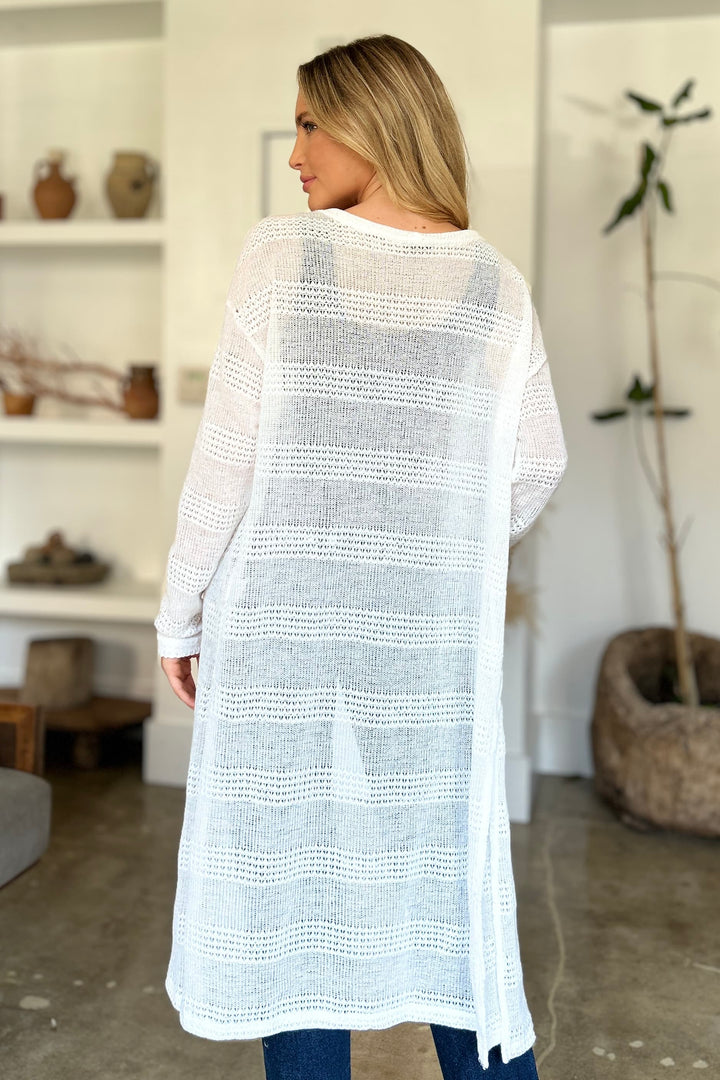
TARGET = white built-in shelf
x,y
593,11
33,5
54,22
64,232
105,601
124,432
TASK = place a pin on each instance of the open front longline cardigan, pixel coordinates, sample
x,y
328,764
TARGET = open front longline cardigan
x,y
379,427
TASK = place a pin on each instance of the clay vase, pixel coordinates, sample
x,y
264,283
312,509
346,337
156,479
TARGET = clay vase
x,y
53,194
140,392
18,404
129,184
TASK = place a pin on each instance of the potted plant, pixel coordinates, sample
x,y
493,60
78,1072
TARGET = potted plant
x,y
18,382
656,722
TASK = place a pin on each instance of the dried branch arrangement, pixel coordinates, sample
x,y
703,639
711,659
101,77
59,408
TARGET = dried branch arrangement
x,y
23,370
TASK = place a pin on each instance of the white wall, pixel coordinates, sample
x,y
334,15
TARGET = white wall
x,y
600,562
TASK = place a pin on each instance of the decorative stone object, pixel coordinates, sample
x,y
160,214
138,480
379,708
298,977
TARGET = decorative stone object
x,y
55,563
657,761
58,672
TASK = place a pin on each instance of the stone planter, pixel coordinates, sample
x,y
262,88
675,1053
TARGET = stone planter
x,y
657,761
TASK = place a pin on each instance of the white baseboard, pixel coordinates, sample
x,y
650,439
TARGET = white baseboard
x,y
519,787
166,753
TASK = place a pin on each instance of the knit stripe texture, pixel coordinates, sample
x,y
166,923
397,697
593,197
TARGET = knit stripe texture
x,y
380,427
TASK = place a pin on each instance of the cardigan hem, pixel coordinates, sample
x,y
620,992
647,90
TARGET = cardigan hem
x,y
417,1012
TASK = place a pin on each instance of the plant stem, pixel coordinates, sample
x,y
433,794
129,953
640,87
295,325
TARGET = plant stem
x,y
686,672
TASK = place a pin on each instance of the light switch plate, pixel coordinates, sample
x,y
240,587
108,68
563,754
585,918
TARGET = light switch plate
x,y
193,384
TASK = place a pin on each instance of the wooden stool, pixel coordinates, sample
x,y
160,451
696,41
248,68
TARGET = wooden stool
x,y
88,722
59,677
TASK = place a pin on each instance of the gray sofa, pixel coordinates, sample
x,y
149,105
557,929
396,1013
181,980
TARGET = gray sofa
x,y
25,795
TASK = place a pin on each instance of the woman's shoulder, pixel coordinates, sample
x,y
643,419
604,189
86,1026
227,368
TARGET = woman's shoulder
x,y
308,223
273,226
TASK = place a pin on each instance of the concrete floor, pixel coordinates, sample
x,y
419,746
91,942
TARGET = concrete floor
x,y
619,935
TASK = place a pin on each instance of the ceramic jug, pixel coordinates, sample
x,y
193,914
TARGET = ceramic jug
x,y
129,183
140,392
54,194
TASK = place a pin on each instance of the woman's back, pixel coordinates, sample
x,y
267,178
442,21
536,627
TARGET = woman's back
x,y
379,426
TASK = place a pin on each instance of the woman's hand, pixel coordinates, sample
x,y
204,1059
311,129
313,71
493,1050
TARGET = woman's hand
x,y
177,669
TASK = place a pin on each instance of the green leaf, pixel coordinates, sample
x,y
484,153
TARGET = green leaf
x,y
670,412
645,103
638,392
628,207
648,159
683,93
701,115
665,195
610,414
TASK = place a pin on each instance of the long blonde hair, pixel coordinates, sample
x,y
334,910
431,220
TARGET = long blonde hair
x,y
379,96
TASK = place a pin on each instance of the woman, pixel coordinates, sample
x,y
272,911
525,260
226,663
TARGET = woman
x,y
379,428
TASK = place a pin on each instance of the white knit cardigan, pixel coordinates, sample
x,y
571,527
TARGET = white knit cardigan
x,y
380,426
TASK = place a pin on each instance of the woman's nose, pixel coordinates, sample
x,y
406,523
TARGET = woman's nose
x,y
294,162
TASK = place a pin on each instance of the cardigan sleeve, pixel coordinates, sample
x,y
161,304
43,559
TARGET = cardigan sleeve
x,y
216,490
540,453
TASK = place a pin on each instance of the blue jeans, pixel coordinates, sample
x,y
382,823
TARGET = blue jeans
x,y
324,1054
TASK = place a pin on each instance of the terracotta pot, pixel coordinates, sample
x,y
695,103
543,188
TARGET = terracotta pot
x,y
53,194
18,404
140,392
657,761
129,184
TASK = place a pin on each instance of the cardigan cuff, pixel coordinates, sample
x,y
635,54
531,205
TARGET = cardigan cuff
x,y
178,647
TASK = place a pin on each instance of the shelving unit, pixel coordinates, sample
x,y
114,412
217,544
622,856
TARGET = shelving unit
x,y
116,431
50,5
66,232
91,278
107,601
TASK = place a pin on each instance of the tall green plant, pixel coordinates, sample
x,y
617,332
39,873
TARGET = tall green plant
x,y
651,190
